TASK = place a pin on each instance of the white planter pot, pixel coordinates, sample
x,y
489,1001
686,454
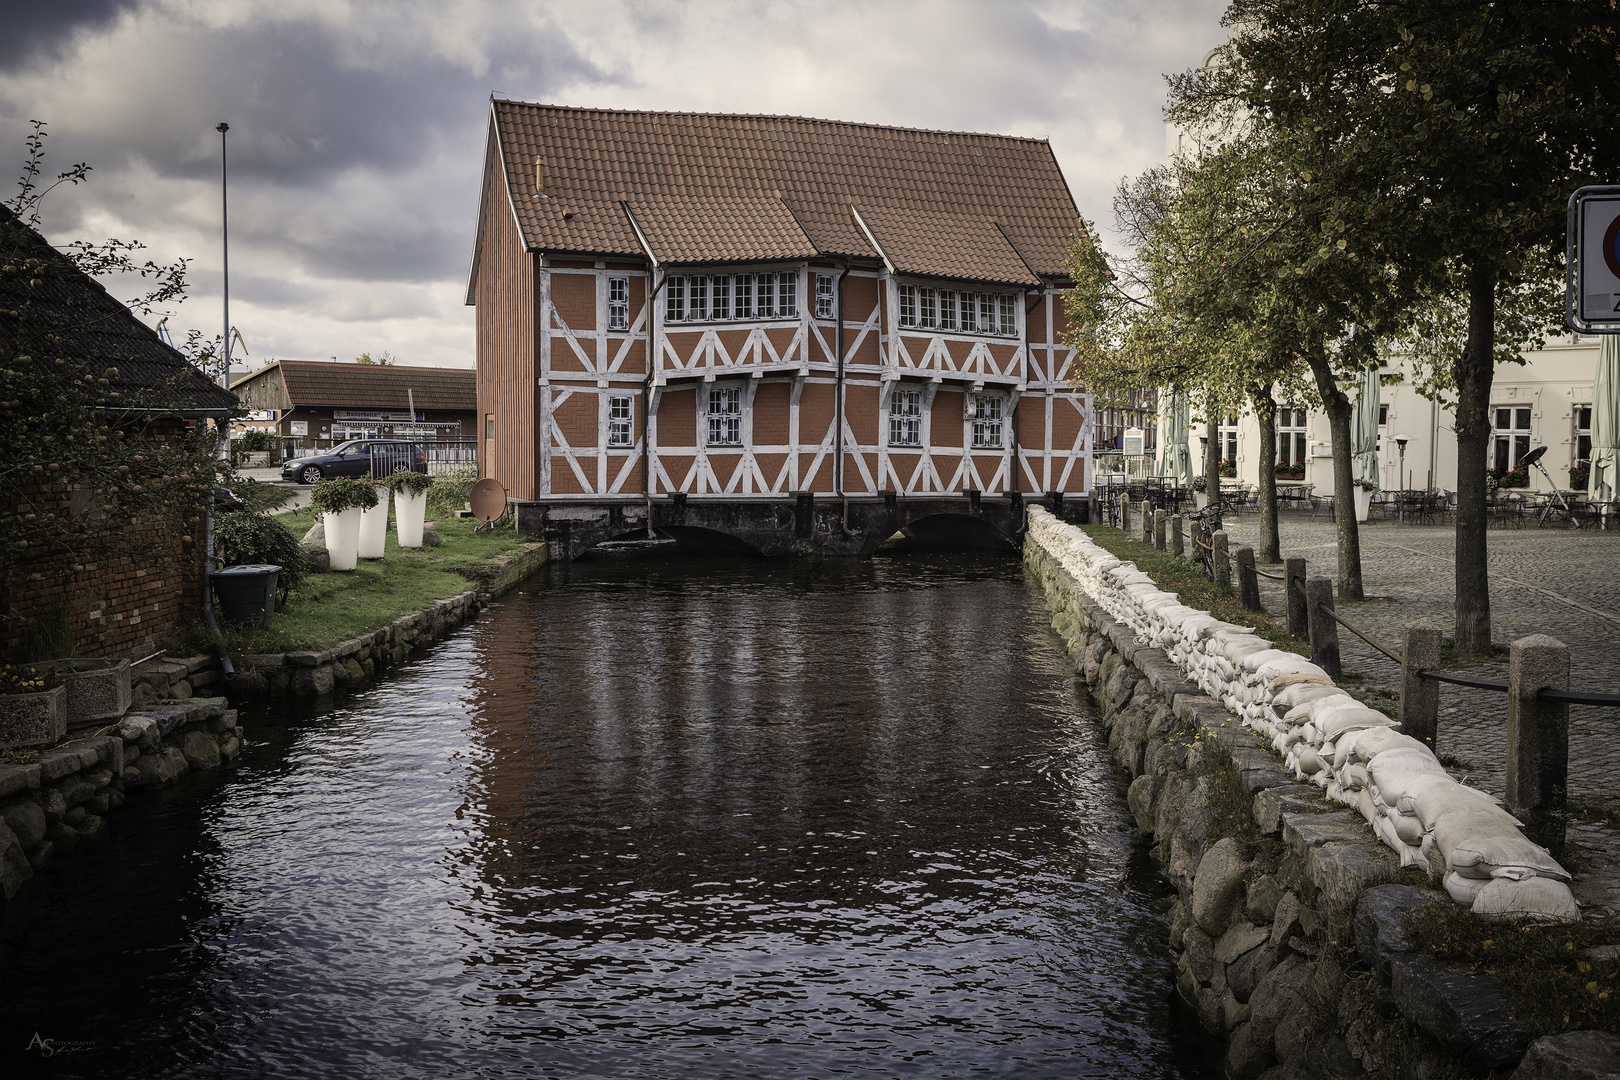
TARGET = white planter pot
x,y
1363,502
374,527
343,538
410,511
1200,499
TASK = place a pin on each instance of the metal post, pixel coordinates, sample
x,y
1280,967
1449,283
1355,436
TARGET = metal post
x,y
1248,580
1324,631
1538,739
1420,697
1294,597
1217,554
1158,529
1178,536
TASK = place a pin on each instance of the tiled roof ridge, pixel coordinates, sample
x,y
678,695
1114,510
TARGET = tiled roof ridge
x,y
775,116
327,364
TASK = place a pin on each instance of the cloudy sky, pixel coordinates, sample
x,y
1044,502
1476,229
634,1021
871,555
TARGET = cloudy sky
x,y
357,126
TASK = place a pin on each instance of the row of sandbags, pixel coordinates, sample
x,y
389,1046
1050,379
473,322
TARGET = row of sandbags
x,y
1355,754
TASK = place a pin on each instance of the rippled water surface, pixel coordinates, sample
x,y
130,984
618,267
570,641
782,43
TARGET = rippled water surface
x,y
709,819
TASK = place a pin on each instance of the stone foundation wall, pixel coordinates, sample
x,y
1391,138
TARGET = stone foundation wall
x,y
60,798
311,672
1287,925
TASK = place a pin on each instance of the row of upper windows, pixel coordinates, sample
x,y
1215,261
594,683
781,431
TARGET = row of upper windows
x,y
694,298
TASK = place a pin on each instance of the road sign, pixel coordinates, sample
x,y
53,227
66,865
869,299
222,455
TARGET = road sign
x,y
1592,263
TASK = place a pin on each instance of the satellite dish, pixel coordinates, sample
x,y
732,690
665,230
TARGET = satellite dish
x,y
488,499
1533,456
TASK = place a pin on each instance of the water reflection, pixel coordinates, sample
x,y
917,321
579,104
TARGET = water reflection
x,y
723,819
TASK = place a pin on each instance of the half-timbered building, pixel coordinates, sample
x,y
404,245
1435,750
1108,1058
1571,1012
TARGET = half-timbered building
x,y
802,332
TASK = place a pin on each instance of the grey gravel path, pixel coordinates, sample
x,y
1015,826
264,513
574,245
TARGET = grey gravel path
x,y
1552,581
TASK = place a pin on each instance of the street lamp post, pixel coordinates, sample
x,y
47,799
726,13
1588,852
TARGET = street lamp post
x,y
1400,445
225,256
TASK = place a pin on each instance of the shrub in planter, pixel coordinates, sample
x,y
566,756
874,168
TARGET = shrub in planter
x,y
1578,477
1515,478
33,706
1200,483
1228,469
410,483
335,496
410,505
242,539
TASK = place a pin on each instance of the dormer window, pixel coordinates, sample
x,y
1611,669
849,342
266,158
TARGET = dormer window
x,y
695,298
965,312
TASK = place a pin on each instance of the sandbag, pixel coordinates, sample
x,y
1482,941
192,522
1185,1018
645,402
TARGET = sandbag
x,y
1343,720
1303,712
1283,682
1477,842
1536,899
1256,660
1407,827
1300,693
1309,763
1463,890
1368,808
1375,741
1401,762
1412,783
1289,663
1353,777
1433,801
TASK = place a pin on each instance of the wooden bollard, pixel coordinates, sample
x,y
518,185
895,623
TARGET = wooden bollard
x,y
1324,631
1125,512
1147,522
1178,536
1218,559
1538,739
1248,579
1420,697
1294,598
1158,529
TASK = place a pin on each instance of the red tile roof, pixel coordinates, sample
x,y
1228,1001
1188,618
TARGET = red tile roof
x,y
712,186
378,386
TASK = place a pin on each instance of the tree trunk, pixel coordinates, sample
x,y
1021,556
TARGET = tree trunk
x,y
1337,406
1265,410
1212,464
1475,368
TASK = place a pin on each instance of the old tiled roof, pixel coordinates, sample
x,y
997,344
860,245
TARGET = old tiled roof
x,y
90,330
938,192
375,386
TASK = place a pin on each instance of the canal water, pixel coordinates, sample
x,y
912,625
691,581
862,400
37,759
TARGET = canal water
x,y
685,819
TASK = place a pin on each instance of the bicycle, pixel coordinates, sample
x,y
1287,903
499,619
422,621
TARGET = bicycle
x,y
1202,527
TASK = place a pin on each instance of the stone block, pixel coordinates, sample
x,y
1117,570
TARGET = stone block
x,y
162,766
1465,1013
1282,988
1140,799
229,747
311,681
26,819
51,801
1218,885
225,721
1238,939
1260,899
98,691
15,778
14,865
1342,872
1200,952
201,750
1574,1055
304,658
1245,1057
1286,923
355,673
1302,832
109,752
1379,927
63,761
1271,804
1246,972
75,789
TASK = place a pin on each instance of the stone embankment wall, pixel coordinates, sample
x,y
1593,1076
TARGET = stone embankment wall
x,y
50,805
310,672
1288,923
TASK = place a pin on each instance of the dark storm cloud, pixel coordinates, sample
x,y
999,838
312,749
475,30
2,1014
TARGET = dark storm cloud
x,y
37,31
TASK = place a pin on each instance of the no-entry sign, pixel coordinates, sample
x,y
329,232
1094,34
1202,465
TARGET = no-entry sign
x,y
1592,274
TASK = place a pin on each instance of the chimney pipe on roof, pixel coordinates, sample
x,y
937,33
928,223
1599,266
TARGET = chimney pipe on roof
x,y
539,176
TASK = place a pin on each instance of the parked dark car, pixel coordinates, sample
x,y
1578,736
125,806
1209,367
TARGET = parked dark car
x,y
358,457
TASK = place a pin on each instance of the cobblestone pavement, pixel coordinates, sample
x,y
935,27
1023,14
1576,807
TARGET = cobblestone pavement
x,y
1543,581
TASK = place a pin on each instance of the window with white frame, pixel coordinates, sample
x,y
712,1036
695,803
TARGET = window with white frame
x,y
905,418
928,307
1291,446
675,300
947,309
725,416
987,421
1583,435
987,313
618,303
1007,314
621,412
825,283
1229,438
693,298
908,305
1510,437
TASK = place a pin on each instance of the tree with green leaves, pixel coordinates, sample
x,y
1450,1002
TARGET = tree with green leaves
x,y
1441,138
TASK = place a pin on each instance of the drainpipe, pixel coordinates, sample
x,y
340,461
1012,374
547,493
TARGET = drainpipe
x,y
646,404
838,396
207,597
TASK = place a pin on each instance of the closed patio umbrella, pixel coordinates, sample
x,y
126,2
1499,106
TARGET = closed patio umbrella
x,y
1604,478
1182,462
1364,430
